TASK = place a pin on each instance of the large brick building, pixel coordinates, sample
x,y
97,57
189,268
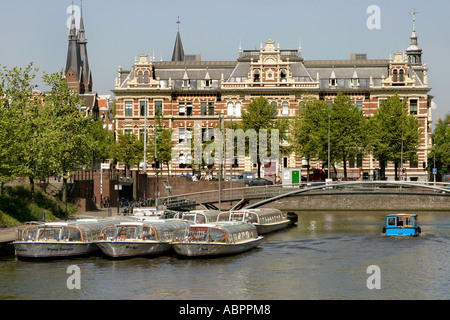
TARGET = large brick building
x,y
188,91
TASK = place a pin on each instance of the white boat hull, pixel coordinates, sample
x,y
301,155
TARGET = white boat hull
x,y
53,249
272,227
119,249
196,249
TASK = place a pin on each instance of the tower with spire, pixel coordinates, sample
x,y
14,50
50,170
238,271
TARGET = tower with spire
x,y
77,72
178,52
414,52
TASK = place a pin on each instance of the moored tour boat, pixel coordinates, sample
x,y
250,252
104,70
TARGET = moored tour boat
x,y
266,220
60,239
216,239
199,216
398,225
139,238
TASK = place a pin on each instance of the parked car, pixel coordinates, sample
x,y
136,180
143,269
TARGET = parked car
x,y
245,177
258,182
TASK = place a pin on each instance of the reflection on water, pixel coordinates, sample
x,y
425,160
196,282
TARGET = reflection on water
x,y
324,257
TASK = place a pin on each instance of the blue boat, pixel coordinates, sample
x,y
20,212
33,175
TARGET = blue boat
x,y
402,225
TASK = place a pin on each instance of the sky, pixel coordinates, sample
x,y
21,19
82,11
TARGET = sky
x,y
118,31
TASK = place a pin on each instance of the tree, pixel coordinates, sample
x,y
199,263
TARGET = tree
x,y
23,127
130,150
347,130
393,134
309,131
164,143
103,148
439,156
68,139
261,117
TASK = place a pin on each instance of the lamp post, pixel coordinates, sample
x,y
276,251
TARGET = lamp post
x,y
220,161
329,151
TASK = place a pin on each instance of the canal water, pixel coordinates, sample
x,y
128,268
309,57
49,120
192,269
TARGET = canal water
x,y
326,256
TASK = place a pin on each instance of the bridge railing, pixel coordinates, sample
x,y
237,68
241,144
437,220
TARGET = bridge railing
x,y
267,192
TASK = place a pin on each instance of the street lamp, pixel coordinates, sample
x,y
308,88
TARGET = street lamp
x,y
329,151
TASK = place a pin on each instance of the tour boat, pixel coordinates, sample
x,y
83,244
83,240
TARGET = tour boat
x,y
139,238
199,216
60,239
402,225
215,239
266,220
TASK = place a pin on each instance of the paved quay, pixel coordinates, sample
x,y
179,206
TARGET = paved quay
x,y
7,235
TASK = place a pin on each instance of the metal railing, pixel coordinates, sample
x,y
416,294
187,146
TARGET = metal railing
x,y
280,191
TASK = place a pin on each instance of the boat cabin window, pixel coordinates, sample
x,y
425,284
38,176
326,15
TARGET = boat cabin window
x,y
251,217
71,234
148,233
237,217
29,233
391,221
108,233
126,233
217,235
49,233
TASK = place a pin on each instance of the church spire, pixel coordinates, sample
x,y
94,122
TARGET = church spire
x,y
73,64
178,52
82,42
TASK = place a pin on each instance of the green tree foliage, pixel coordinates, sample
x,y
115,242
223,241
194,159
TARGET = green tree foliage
x,y
68,139
439,155
393,134
260,116
164,143
309,131
130,150
347,130
41,133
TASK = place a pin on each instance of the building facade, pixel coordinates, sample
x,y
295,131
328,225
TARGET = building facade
x,y
189,92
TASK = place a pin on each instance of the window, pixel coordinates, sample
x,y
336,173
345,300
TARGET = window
x,y
189,109
238,109
129,131
182,108
332,82
283,76
230,106
285,108
146,77
143,108
128,108
359,104
285,162
181,135
203,108
413,106
395,76
414,162
140,77
402,75
158,108
182,161
391,221
211,108
256,77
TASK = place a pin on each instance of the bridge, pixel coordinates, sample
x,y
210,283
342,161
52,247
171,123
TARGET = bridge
x,y
362,195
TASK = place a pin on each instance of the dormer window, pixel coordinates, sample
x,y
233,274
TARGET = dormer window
x,y
283,76
256,76
332,82
402,75
395,76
